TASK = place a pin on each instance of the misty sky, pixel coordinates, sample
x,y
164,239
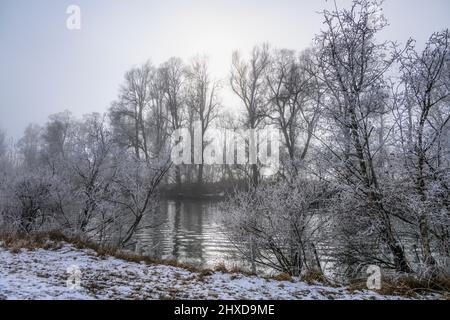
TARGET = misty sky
x,y
46,68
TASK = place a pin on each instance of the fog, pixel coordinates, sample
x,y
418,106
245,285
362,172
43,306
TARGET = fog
x,y
46,68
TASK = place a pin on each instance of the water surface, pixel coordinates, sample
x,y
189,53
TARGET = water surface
x,y
189,231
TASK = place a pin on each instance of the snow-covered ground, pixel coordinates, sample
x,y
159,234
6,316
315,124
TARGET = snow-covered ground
x,y
53,274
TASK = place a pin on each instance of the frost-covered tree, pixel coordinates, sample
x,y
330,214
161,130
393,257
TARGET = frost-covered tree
x,y
424,123
353,66
202,98
278,225
248,82
134,193
173,77
129,112
89,168
295,102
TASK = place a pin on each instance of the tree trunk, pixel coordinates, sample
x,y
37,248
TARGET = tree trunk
x,y
423,219
200,174
255,175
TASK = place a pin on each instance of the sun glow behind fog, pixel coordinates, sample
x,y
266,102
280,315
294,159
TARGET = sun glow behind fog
x,y
216,29
214,35
208,36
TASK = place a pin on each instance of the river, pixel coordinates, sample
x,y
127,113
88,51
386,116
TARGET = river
x,y
189,231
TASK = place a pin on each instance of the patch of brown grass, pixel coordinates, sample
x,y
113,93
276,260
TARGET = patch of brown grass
x,y
239,270
220,267
407,286
314,277
204,274
410,286
42,240
53,240
283,277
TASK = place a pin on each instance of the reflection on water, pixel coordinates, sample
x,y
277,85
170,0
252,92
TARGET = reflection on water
x,y
193,232
189,231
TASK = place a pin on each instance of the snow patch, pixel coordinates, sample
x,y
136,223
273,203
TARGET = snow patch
x,y
43,274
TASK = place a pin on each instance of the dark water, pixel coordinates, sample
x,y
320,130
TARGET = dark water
x,y
194,232
190,232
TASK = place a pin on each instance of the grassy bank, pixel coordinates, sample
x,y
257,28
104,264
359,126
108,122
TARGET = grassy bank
x,y
30,252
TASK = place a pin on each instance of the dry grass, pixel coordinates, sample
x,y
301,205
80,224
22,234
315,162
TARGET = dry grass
x,y
407,286
282,277
220,267
48,240
204,274
411,286
314,277
54,240
239,270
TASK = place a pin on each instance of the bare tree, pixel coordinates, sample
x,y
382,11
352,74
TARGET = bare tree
x,y
352,66
54,138
3,146
135,193
295,102
426,79
88,162
278,225
30,144
128,113
173,74
202,98
158,116
248,82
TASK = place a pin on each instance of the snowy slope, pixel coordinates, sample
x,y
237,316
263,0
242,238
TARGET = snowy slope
x,y
42,274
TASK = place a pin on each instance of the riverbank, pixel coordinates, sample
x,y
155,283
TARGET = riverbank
x,y
61,270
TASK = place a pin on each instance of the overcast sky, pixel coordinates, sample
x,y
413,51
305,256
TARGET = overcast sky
x,y
46,68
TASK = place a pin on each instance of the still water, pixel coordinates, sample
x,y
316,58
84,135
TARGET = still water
x,y
189,231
